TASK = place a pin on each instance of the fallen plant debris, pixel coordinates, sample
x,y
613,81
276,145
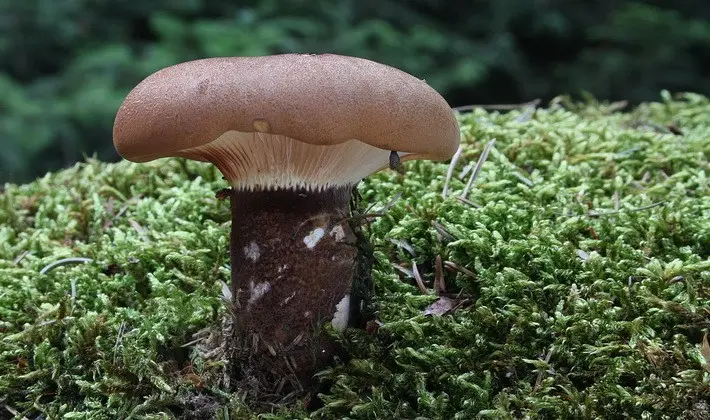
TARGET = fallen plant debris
x,y
441,306
63,261
566,315
705,351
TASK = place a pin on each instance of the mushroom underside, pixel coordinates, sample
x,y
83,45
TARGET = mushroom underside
x,y
259,161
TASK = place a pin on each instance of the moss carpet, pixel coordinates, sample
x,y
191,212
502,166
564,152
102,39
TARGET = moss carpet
x,y
572,280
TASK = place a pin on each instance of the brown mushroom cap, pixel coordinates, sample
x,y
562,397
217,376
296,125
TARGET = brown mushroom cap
x,y
316,99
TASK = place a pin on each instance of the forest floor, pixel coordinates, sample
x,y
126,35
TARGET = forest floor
x,y
571,280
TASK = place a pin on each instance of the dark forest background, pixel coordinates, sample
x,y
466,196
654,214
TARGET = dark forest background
x,y
66,65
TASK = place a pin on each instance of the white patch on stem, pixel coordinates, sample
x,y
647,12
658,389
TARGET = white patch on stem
x,y
337,233
257,291
312,239
342,314
285,301
252,251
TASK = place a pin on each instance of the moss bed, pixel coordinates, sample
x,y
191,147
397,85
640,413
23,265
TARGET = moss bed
x,y
578,268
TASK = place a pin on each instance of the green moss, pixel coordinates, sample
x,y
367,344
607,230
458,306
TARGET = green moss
x,y
587,231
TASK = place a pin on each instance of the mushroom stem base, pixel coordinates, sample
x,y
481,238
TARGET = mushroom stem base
x,y
293,257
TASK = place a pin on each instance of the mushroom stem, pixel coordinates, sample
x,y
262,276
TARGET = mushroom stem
x,y
293,259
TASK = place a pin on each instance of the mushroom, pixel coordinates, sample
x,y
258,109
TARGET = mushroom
x,y
293,135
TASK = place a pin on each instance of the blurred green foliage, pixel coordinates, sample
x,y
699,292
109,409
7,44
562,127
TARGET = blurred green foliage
x,y
65,65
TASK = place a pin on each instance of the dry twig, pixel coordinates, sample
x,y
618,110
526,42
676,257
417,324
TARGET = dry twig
x,y
453,266
418,279
477,170
64,261
450,171
439,283
499,107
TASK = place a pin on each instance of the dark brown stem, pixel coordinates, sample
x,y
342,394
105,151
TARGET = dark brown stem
x,y
293,260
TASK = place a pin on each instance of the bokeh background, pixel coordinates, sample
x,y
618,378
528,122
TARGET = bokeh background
x,y
66,65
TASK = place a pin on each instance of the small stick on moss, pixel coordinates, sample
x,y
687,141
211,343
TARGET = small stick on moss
x,y
453,266
20,257
477,169
499,107
466,169
389,204
404,270
370,215
441,231
193,342
119,339
439,283
120,212
73,296
450,171
461,303
469,202
611,212
523,179
64,261
640,125
418,279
